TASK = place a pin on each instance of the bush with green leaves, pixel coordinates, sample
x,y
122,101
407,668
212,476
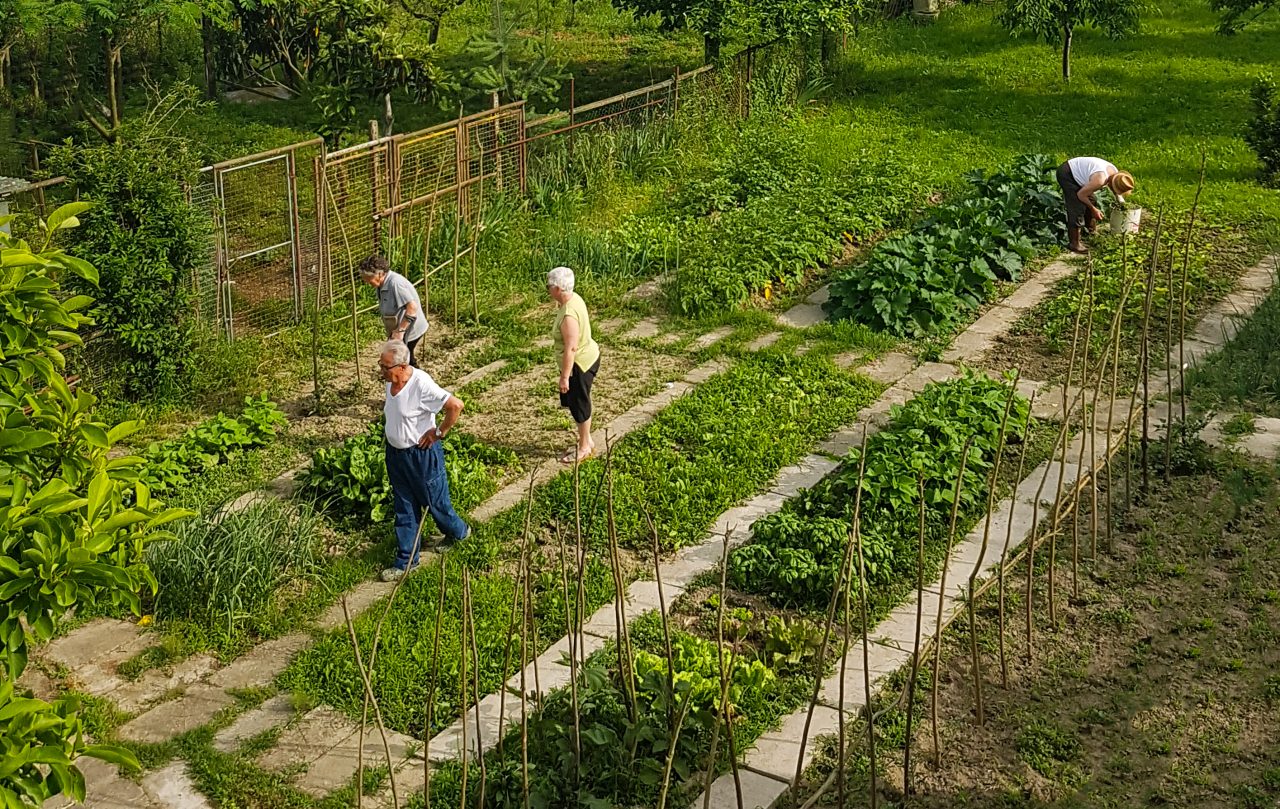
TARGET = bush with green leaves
x,y
146,240
797,552
931,279
74,521
179,462
351,480
1263,131
223,571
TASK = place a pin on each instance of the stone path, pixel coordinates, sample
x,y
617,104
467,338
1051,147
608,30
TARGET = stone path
x,y
772,762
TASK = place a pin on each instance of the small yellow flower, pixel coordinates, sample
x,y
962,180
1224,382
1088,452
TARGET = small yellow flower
x,y
768,290
146,620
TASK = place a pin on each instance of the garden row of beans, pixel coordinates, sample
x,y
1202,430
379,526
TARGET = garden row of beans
x,y
611,740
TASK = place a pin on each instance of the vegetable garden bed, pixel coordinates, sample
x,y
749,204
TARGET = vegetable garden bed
x,y
719,444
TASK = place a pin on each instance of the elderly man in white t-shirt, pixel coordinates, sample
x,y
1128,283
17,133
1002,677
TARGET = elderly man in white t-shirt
x,y
415,456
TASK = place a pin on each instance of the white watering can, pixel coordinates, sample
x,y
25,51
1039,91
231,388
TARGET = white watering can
x,y
1125,220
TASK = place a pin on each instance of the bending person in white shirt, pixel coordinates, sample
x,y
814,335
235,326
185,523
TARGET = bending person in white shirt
x,y
1080,178
415,456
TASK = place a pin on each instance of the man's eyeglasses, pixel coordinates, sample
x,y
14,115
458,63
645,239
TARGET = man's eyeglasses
x,y
389,367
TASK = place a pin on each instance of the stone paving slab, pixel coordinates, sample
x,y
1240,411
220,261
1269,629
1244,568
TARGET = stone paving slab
x,y
882,662
167,720
95,640
497,716
338,765
133,696
172,788
550,670
738,519
764,341
263,663
820,295
710,338
804,475
273,713
644,330
480,373
758,792
308,739
359,599
1263,442
802,316
105,789
1049,472
775,753
889,368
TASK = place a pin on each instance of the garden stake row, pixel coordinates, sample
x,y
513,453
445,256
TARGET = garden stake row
x,y
724,688
431,695
1085,414
516,597
1144,367
475,680
674,723
841,588
1182,306
1004,553
1115,377
855,539
942,588
982,553
1168,371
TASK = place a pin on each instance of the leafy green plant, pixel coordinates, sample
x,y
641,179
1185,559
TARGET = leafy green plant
x,y
176,463
930,279
351,480
796,554
68,538
223,571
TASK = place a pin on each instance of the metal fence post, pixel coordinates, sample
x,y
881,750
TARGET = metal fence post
x,y
295,247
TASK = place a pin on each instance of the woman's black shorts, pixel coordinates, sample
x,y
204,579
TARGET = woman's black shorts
x,y
578,399
1077,213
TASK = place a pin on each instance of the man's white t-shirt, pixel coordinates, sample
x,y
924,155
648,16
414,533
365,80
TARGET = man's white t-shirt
x,y
412,411
1082,168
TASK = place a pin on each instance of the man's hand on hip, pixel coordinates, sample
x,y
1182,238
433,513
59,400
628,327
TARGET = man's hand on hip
x,y
429,437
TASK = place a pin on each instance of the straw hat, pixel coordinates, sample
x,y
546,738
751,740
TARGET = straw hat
x,y
1122,182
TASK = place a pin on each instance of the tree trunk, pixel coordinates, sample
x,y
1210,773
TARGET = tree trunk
x,y
710,48
434,36
210,67
828,45
1066,53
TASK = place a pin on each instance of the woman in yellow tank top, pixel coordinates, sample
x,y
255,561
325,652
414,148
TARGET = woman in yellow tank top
x,y
578,356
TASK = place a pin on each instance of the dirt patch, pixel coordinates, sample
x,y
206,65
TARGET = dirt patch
x,y
523,412
1158,685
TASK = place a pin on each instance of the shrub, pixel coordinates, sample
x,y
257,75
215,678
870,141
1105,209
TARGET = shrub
x,y
796,554
176,463
146,240
224,571
351,480
930,279
1263,131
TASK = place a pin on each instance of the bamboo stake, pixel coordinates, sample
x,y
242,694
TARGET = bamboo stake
x,y
1085,415
982,553
1182,309
942,588
1112,352
1008,541
678,721
1145,370
462,680
573,660
377,713
475,681
1168,371
516,599
724,676
431,693
1062,457
855,529
626,668
915,649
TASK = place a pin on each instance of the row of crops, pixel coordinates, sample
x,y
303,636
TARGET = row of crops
x,y
646,714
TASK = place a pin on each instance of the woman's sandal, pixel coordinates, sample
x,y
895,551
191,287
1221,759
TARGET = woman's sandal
x,y
568,456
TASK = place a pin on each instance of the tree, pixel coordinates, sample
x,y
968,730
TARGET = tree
x,y
509,65
1263,130
69,536
432,12
1055,21
145,239
1236,14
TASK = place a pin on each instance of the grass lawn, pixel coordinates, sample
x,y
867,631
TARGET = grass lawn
x,y
963,93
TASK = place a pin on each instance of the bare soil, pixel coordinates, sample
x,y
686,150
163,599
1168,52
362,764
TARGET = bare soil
x,y
1159,685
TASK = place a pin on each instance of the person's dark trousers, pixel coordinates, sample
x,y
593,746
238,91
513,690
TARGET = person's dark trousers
x,y
413,357
418,481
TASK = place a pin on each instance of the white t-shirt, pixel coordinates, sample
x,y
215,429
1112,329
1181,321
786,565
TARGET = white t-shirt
x,y
1082,168
412,411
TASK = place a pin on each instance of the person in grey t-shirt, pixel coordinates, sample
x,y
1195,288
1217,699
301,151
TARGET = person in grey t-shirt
x,y
398,303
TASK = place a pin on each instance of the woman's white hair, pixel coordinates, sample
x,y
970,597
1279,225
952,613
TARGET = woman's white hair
x,y
561,277
398,350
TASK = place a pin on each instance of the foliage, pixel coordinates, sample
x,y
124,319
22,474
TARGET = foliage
x,y
703,453
67,538
797,552
176,463
225,570
508,65
930,279
1236,14
1055,21
351,480
146,240
1263,133
766,215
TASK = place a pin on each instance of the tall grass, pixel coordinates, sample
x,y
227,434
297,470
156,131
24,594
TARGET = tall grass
x,y
225,570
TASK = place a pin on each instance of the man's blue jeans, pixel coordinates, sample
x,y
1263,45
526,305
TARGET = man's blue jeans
x,y
418,481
